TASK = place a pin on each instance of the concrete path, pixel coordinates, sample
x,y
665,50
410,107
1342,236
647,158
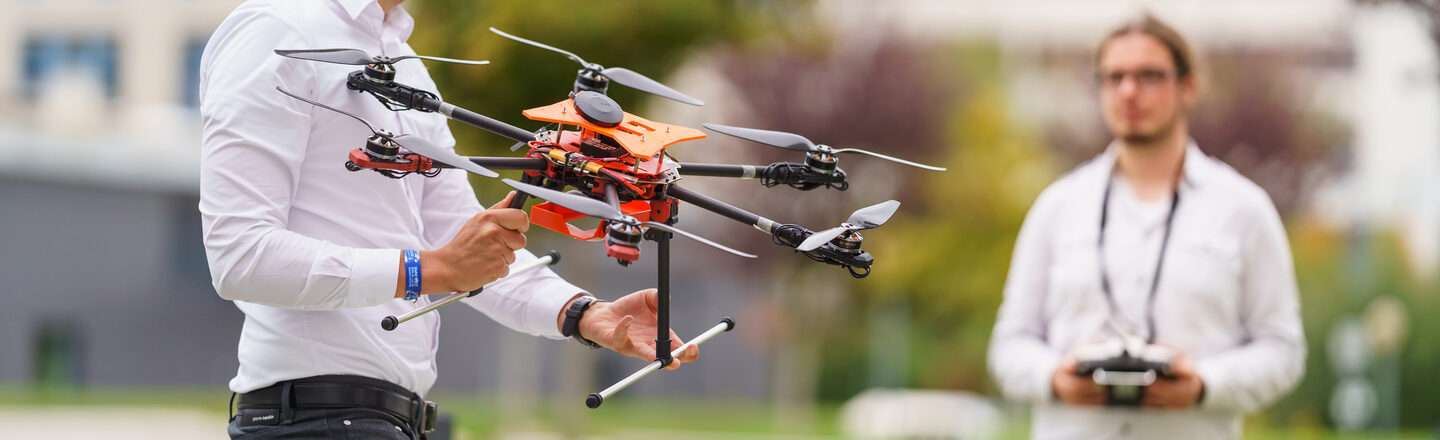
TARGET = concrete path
x,y
109,422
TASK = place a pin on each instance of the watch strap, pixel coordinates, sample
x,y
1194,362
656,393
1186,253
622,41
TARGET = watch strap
x,y
571,326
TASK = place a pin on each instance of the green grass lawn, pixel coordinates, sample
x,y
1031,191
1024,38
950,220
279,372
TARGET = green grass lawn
x,y
480,416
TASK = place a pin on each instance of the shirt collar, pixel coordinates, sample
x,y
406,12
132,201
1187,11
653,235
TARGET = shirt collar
x,y
1192,170
355,7
399,17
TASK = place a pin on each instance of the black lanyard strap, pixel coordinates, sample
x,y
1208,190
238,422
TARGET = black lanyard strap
x,y
1159,262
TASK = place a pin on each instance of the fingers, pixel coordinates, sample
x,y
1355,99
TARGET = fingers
x,y
512,219
644,352
1173,394
505,202
1088,393
690,354
652,299
1157,402
510,239
485,226
1094,397
1162,395
1182,367
641,345
675,344
485,246
1073,389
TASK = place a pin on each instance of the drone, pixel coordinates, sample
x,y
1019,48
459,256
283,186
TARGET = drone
x,y
617,166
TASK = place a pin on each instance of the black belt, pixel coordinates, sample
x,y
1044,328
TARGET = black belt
x,y
343,391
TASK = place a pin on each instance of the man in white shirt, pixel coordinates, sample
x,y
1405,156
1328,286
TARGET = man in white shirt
x,y
1154,240
312,253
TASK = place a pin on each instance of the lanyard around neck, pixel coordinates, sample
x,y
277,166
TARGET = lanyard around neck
x,y
1159,261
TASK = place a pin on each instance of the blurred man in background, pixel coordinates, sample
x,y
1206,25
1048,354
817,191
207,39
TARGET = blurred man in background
x,y
1151,241
315,255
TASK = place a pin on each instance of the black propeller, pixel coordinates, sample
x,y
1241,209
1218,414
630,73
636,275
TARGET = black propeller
x,y
619,75
357,57
415,144
865,218
605,211
795,142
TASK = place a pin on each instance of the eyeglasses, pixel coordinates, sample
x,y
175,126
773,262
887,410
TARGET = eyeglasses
x,y
1143,77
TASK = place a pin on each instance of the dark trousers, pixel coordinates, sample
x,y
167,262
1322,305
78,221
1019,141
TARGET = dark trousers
x,y
331,407
341,423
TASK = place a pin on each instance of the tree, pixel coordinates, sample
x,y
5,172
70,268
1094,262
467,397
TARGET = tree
x,y
648,37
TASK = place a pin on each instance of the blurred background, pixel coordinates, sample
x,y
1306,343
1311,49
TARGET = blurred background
x,y
112,330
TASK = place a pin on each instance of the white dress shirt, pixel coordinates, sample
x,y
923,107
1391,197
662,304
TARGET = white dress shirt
x,y
1227,297
308,250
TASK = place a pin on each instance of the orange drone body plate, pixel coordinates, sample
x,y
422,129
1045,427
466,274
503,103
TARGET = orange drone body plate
x,y
646,167
641,137
557,218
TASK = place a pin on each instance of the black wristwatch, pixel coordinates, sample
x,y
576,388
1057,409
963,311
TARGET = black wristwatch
x,y
571,327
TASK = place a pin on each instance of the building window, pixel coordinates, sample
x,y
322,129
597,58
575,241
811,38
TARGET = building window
x,y
47,56
57,353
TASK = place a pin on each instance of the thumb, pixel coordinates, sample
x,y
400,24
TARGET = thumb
x,y
1067,365
504,203
620,336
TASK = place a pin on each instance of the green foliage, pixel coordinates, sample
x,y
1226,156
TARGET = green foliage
x,y
1339,276
652,38
947,255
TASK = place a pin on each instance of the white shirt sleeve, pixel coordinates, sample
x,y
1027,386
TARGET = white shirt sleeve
x,y
1251,376
253,141
1019,359
529,302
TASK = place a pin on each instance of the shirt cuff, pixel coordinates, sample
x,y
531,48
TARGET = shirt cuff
x,y
373,276
1044,388
544,309
1216,390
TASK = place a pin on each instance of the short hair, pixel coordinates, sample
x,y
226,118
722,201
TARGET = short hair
x,y
1148,25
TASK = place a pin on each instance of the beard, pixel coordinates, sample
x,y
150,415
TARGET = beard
x,y
1157,136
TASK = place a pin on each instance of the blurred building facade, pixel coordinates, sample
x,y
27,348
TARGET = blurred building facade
x,y
106,275
112,287
106,279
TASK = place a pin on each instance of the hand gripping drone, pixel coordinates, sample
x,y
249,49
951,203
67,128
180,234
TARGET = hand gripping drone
x,y
617,166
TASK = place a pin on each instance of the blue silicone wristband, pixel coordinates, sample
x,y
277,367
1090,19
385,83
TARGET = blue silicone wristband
x,y
412,274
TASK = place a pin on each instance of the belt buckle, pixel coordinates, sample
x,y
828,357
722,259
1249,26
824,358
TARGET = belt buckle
x,y
427,419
